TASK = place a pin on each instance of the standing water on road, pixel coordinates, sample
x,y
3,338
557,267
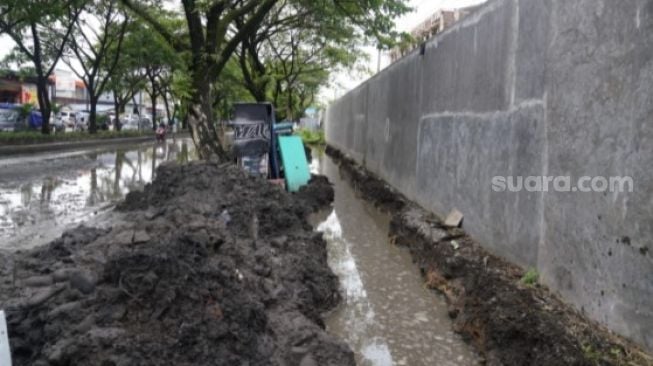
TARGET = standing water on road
x,y
43,194
387,316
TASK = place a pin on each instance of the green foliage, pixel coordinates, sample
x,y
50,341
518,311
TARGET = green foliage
x,y
311,137
40,31
285,48
33,137
531,277
24,110
300,43
230,89
102,118
56,108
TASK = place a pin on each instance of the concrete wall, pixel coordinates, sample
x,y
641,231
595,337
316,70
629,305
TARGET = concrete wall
x,y
528,88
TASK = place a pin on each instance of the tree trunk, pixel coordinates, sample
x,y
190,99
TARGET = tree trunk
x,y
116,113
291,115
200,122
153,110
92,118
44,104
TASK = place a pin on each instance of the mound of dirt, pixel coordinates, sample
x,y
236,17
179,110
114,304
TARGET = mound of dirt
x,y
209,267
318,193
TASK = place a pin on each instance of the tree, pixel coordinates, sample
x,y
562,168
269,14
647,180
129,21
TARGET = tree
x,y
41,31
98,30
216,28
125,82
290,56
145,62
212,40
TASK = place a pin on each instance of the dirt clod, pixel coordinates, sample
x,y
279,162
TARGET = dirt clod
x,y
181,281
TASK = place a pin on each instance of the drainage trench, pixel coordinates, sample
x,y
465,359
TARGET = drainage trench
x,y
387,316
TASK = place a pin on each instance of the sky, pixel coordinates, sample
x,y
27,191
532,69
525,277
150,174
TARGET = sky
x,y
345,81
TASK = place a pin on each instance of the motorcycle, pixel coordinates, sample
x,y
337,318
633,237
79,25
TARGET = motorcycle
x,y
160,134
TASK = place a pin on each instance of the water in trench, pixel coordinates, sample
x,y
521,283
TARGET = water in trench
x,y
41,195
387,316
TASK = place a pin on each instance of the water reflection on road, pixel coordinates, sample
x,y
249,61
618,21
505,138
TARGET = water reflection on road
x,y
41,195
387,316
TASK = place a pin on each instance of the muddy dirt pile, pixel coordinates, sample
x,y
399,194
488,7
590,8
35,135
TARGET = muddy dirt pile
x,y
508,321
207,267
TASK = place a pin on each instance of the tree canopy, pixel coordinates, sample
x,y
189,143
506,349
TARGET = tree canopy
x,y
201,55
319,33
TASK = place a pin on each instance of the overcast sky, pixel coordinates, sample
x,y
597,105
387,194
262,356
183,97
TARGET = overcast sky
x,y
344,82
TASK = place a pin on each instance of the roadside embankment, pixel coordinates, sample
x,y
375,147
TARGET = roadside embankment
x,y
207,266
510,321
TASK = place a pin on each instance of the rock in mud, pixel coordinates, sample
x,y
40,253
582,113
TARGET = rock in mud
x,y
185,286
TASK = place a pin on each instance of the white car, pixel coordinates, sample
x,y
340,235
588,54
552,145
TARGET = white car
x,y
67,119
129,124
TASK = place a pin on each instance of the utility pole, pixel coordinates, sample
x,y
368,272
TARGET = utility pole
x,y
378,61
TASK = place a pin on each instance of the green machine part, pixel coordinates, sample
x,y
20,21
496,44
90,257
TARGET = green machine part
x,y
293,158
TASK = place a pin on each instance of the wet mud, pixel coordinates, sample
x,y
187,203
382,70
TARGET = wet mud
x,y
207,267
507,321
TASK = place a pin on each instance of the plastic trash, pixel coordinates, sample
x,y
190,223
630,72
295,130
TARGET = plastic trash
x,y
5,353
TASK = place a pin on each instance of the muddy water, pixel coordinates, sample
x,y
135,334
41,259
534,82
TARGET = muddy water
x,y
387,316
43,194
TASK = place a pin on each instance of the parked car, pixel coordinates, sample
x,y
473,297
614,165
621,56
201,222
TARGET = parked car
x,y
129,124
134,122
67,119
9,119
57,125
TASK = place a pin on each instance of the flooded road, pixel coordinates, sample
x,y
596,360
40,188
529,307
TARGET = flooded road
x,y
43,194
387,316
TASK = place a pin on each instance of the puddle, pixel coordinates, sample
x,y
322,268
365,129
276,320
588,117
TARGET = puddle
x,y
387,316
41,195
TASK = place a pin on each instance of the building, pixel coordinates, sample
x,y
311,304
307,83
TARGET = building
x,y
436,23
19,89
67,91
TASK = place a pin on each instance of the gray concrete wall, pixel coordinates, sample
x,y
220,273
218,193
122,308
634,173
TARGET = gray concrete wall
x,y
528,88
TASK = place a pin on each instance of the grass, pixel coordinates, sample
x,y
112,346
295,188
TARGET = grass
x,y
36,137
531,277
311,137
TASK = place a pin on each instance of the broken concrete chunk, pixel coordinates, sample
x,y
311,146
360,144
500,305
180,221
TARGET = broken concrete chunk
x,y
454,219
455,245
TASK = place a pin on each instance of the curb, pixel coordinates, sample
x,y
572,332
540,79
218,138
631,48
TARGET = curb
x,y
7,150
